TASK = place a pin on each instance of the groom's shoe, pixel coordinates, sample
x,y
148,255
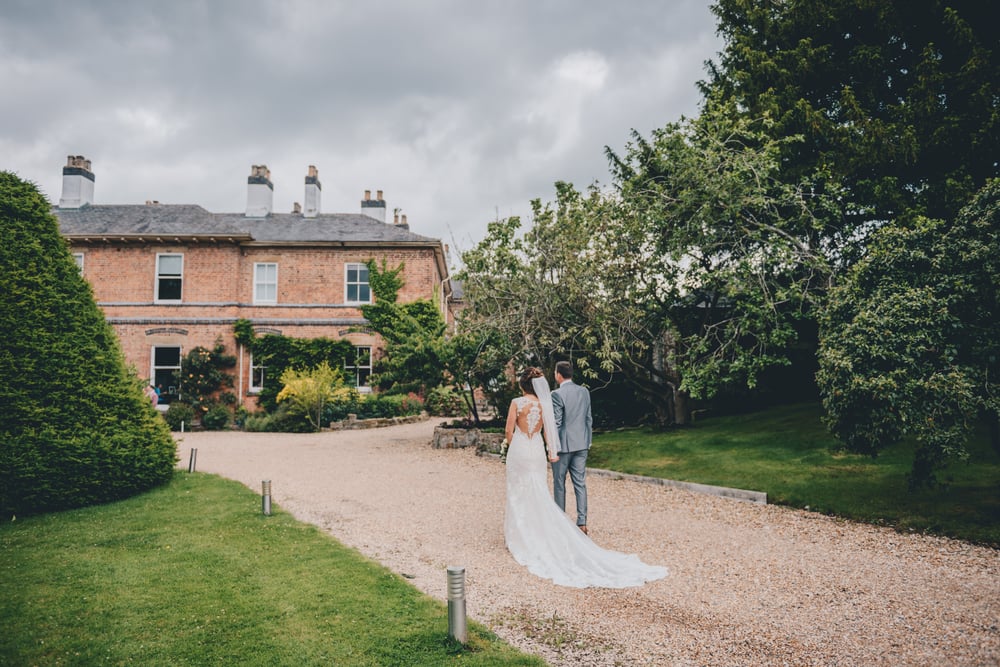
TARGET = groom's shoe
x,y
584,529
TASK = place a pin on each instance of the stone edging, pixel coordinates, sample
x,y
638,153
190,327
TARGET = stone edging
x,y
757,497
352,422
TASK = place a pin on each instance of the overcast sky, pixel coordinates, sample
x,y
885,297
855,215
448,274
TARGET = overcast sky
x,y
459,110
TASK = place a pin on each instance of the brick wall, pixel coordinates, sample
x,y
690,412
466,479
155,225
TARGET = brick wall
x,y
218,289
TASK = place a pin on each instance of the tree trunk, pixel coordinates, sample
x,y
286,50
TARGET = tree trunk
x,y
994,420
470,399
682,411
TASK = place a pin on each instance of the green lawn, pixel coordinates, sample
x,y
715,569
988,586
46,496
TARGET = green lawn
x,y
787,453
194,574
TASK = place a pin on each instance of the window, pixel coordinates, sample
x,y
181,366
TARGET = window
x,y
78,258
359,368
166,372
256,376
358,289
169,276
265,283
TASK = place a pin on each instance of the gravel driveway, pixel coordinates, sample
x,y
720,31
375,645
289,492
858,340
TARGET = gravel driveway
x,y
749,584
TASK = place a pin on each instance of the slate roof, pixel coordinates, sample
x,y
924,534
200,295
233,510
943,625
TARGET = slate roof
x,y
185,220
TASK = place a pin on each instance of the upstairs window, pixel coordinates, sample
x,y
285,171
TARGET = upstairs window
x,y
78,258
357,288
169,277
265,283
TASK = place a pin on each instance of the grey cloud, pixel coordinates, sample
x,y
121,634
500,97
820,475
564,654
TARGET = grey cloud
x,y
446,104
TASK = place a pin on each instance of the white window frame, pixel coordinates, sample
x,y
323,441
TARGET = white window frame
x,y
78,258
251,387
177,370
352,370
163,276
258,283
347,284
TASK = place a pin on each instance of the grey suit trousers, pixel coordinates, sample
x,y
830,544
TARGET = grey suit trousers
x,y
576,464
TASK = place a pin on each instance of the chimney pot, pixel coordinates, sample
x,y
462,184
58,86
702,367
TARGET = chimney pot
x,y
314,190
373,208
378,195
78,183
296,208
260,192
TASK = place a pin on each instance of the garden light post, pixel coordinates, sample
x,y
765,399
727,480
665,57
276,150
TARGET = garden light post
x,y
456,604
266,496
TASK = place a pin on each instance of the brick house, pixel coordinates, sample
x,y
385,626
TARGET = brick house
x,y
173,277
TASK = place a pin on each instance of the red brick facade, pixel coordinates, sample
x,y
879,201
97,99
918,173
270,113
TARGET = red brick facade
x,y
170,278
217,288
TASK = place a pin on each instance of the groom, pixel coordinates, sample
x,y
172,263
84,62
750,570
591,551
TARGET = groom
x,y
571,408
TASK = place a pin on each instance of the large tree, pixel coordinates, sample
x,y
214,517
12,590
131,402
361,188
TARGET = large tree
x,y
75,427
896,99
413,333
687,277
911,340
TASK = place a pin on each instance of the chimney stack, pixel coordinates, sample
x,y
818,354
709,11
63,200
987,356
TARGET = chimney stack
x,y
260,192
373,208
313,191
78,183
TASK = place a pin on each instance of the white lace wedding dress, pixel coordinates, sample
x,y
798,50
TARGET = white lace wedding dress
x,y
541,536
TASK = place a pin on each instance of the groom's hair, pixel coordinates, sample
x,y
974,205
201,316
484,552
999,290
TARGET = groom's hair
x,y
565,369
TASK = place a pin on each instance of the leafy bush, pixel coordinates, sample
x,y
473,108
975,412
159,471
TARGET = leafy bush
x,y
279,353
392,405
179,413
445,402
281,420
216,419
204,373
308,393
75,427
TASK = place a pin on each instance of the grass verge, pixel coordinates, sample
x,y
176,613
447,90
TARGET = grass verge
x,y
787,453
192,573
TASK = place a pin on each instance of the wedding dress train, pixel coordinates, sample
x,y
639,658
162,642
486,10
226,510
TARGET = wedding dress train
x,y
544,539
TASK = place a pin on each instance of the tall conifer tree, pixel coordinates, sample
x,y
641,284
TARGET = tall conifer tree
x,y
75,428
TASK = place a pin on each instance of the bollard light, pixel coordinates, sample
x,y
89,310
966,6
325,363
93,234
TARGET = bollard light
x,y
182,426
194,458
456,604
266,496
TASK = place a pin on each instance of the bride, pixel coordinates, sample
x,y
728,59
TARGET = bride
x,y
538,534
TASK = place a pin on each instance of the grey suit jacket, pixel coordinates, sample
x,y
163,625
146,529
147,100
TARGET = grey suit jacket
x,y
571,408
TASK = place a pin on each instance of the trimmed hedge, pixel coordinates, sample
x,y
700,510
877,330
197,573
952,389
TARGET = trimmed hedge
x,y
75,427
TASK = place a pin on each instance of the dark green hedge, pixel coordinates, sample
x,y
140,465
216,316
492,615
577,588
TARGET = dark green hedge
x,y
75,427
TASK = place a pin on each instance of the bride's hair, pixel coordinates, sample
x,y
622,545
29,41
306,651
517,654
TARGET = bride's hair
x,y
526,377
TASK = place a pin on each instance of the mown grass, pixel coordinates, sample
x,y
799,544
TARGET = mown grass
x,y
193,574
787,453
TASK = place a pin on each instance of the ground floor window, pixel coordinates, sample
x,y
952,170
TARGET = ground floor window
x,y
166,372
256,376
359,368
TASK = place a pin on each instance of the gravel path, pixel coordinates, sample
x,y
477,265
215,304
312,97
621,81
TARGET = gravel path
x,y
749,584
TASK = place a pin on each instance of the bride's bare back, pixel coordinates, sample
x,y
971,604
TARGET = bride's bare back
x,y
526,414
